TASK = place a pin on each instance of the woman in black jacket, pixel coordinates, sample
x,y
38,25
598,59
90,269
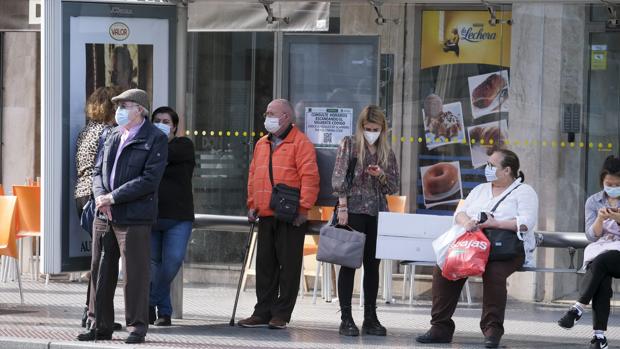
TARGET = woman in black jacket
x,y
172,231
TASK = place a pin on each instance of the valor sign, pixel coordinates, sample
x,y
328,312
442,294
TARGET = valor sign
x,y
326,127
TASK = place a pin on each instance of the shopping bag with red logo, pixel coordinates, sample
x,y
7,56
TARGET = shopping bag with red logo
x,y
467,256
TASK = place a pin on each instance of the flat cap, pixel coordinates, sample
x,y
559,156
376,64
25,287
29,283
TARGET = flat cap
x,y
134,95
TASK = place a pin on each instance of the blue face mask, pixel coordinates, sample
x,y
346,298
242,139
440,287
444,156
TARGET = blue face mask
x,y
613,192
490,172
163,127
121,116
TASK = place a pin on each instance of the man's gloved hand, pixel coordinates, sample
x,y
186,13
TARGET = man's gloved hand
x,y
300,219
252,215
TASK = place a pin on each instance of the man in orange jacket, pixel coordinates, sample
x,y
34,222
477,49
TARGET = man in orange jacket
x,y
280,244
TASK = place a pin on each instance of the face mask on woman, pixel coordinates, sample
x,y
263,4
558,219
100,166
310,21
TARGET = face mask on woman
x,y
371,137
490,172
272,124
163,127
121,116
613,192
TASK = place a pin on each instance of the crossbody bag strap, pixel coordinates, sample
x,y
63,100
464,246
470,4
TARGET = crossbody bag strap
x,y
270,166
503,197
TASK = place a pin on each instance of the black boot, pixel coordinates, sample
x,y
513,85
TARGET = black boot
x,y
371,324
347,325
152,315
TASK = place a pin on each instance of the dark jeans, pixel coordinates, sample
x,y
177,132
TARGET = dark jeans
x,y
368,225
79,205
446,296
131,242
596,286
279,254
169,239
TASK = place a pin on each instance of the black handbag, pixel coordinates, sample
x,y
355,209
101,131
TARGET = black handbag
x,y
505,244
284,199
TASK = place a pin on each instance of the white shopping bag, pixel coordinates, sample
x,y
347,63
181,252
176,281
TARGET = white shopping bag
x,y
443,242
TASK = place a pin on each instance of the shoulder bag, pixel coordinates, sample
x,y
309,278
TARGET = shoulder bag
x,y
340,244
505,244
284,199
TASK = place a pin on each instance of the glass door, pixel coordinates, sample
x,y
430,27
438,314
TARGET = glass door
x,y
603,123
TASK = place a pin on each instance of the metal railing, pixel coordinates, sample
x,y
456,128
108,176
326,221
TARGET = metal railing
x,y
238,223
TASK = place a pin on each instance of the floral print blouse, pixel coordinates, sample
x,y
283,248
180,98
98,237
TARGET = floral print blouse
x,y
367,193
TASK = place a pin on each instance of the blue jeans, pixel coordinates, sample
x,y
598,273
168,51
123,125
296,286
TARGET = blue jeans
x,y
169,238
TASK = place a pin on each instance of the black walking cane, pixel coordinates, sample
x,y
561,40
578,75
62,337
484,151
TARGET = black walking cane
x,y
245,261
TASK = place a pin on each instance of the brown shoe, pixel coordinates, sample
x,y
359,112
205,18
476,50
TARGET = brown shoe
x,y
253,321
277,323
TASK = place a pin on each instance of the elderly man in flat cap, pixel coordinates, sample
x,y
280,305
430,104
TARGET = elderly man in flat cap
x,y
125,182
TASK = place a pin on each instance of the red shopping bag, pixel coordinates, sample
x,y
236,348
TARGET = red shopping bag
x,y
467,256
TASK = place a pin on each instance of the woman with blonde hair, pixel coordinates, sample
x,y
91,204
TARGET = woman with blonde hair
x,y
373,174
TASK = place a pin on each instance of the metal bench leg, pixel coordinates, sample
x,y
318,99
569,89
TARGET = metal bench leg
x,y
316,281
405,282
19,282
467,293
411,284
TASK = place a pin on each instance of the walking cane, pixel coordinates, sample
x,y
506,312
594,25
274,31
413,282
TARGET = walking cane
x,y
245,261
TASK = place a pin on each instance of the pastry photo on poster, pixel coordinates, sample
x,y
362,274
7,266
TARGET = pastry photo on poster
x,y
443,123
484,137
488,93
441,183
126,66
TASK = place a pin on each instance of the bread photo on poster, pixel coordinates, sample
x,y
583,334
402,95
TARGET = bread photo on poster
x,y
441,183
443,123
488,93
483,137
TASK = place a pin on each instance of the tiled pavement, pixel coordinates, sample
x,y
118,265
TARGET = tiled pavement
x,y
50,319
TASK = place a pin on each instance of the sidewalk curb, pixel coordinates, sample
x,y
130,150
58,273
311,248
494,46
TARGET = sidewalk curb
x,y
32,343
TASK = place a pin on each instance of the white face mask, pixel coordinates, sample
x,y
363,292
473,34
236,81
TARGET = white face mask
x,y
490,172
371,137
121,116
272,124
163,127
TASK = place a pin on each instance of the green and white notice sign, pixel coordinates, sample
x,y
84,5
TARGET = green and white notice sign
x,y
326,127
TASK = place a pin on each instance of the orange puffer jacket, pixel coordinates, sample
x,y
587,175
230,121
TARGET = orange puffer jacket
x,y
294,164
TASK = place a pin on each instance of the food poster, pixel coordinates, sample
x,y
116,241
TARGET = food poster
x,y
326,127
441,183
464,103
484,137
464,37
443,125
488,93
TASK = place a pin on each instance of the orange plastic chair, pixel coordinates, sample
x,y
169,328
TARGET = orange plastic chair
x,y
29,220
396,203
8,245
1,190
28,210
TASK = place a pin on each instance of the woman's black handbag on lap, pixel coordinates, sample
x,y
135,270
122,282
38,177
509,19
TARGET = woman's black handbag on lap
x,y
505,244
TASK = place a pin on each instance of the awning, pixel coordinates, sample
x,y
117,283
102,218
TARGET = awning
x,y
207,15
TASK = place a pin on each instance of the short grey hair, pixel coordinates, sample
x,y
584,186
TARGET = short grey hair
x,y
145,112
288,106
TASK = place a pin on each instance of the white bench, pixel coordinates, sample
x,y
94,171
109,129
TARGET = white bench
x,y
409,238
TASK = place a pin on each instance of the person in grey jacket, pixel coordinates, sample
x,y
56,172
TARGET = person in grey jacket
x,y
125,183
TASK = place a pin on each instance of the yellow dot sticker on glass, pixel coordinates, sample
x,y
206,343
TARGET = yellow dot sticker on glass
x,y
212,133
195,133
204,133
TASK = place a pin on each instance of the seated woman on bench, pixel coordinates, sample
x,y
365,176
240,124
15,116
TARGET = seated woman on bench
x,y
517,211
602,257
